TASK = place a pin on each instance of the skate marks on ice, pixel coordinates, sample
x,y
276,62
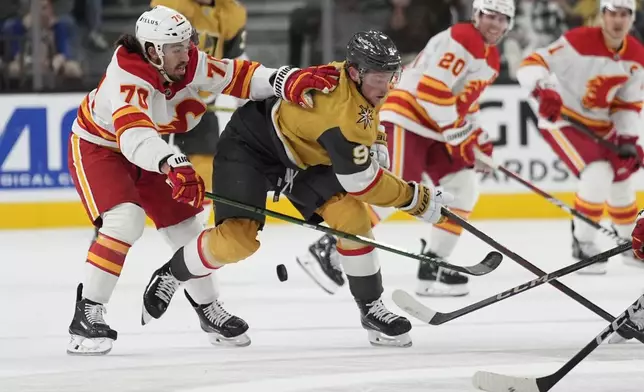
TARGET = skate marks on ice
x,y
303,339
199,369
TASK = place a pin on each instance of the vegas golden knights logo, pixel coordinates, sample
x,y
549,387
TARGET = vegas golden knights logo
x,y
365,117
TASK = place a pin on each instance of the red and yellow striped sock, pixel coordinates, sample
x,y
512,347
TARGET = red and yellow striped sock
x,y
623,215
592,210
108,254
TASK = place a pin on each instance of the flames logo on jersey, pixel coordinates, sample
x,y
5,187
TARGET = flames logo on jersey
x,y
179,123
470,94
365,117
600,91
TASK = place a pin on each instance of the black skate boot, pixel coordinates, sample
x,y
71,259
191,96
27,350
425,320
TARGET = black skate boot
x,y
435,281
385,328
322,264
158,293
583,250
90,334
223,328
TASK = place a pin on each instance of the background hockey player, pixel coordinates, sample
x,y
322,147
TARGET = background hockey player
x,y
430,121
593,75
221,31
320,160
122,168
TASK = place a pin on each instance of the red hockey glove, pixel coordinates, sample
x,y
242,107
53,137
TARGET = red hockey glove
x,y
187,186
549,101
638,236
464,151
295,84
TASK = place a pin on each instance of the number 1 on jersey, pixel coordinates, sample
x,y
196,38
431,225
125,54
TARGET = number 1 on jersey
x,y
447,62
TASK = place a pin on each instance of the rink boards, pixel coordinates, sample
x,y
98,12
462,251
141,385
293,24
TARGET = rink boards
x,y
36,189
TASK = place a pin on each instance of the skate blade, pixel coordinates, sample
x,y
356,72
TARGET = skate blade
x,y
238,341
594,269
80,345
313,270
145,316
379,339
439,289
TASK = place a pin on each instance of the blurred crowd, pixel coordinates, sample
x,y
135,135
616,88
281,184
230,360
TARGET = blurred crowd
x,y
411,23
61,24
71,30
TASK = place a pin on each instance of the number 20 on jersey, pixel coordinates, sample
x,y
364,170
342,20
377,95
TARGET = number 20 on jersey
x,y
451,63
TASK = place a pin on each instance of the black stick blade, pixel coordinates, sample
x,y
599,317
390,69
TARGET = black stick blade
x,y
489,264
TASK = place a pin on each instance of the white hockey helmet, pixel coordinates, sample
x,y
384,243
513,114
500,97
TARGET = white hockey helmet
x,y
612,5
160,26
505,7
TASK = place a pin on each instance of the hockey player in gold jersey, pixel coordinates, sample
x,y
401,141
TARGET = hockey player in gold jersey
x,y
320,160
221,32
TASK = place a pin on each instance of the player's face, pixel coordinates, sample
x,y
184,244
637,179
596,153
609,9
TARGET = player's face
x,y
376,85
492,26
175,59
617,23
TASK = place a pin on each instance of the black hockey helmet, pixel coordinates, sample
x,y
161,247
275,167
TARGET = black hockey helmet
x,y
373,51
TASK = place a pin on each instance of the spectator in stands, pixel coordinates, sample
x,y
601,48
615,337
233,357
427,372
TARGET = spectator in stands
x,y
55,48
304,26
548,21
7,12
90,13
349,17
517,43
414,22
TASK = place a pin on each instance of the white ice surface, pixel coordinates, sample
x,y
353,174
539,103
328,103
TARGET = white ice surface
x,y
302,338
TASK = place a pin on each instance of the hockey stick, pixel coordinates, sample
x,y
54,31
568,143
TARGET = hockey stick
x,y
422,312
491,261
488,161
493,382
588,132
629,333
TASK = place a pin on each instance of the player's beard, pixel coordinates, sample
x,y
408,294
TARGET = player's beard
x,y
176,74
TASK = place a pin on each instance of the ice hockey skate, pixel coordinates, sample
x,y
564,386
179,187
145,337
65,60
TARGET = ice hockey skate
x,y
223,328
158,293
322,264
90,334
384,327
435,281
585,249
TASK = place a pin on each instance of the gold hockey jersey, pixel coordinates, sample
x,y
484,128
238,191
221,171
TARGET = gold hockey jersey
x,y
220,26
338,131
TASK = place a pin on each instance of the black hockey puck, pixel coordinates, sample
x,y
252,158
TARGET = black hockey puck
x,y
282,274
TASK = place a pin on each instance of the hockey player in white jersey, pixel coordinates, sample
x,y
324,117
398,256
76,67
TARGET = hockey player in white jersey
x,y
593,75
432,132
122,167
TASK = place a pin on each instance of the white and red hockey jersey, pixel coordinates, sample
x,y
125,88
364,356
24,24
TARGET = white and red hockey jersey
x,y
442,86
600,88
133,98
